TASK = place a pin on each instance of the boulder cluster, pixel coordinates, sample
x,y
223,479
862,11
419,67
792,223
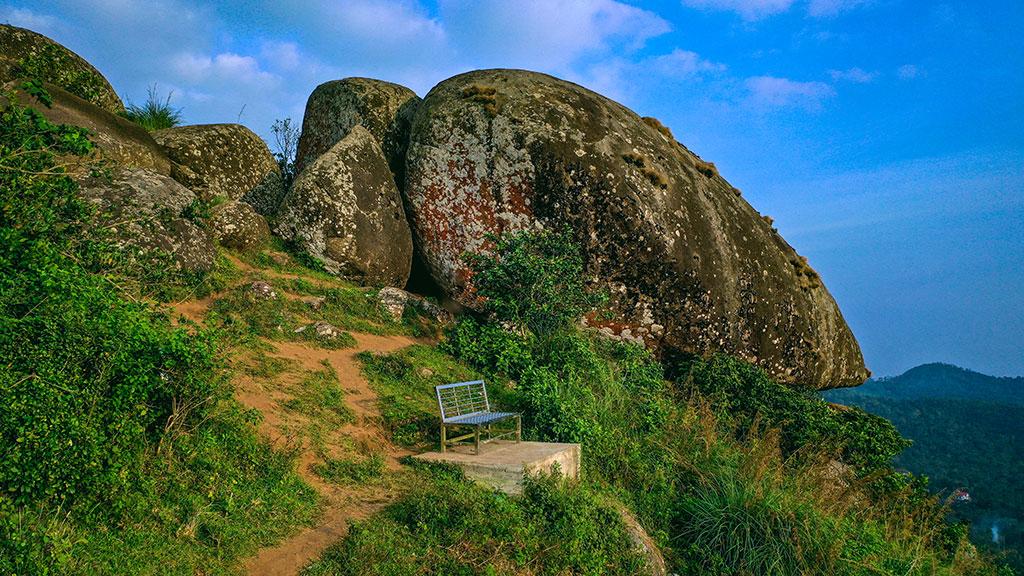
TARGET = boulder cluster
x,y
392,190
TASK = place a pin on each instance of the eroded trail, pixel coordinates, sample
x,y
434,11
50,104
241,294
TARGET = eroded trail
x,y
342,504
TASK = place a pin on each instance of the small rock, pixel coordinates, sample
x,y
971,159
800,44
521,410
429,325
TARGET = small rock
x,y
393,300
426,372
315,302
326,330
262,290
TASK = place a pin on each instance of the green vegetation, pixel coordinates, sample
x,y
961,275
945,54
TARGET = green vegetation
x,y
451,526
121,449
321,400
968,432
729,471
532,281
54,64
155,113
348,470
286,143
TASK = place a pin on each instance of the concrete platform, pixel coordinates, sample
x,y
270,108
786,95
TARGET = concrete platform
x,y
502,464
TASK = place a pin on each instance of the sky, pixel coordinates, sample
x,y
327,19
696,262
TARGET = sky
x,y
886,137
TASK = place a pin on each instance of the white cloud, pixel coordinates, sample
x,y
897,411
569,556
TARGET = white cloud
x,y
773,92
682,64
227,69
25,18
855,75
748,9
828,8
909,72
752,10
540,34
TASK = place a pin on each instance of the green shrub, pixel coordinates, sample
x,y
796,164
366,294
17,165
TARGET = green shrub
x,y
749,395
120,450
88,377
155,113
533,280
454,527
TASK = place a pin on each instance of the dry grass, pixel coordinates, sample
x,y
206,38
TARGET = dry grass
x,y
486,95
652,172
707,168
657,125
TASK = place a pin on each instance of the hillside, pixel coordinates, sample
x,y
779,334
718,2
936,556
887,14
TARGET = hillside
x,y
211,365
967,430
941,381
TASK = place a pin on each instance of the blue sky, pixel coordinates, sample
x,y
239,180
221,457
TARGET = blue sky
x,y
886,137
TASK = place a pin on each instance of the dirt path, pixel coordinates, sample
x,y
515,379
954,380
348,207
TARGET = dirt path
x,y
342,504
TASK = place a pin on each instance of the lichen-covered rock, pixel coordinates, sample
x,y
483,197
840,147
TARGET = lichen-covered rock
x,y
27,54
345,210
334,107
237,225
394,301
117,139
145,210
227,160
689,265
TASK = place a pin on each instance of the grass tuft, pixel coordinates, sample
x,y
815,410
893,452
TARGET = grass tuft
x,y
155,113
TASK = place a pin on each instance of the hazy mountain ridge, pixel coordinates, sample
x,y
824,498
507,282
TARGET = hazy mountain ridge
x,y
939,380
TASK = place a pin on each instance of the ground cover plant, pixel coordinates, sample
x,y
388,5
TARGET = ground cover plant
x,y
729,471
120,444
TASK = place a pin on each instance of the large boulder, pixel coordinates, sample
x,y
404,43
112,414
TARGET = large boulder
x,y
345,210
335,107
146,211
25,54
222,160
118,140
238,226
690,266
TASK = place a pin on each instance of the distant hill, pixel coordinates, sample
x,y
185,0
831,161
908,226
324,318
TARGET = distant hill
x,y
939,380
968,432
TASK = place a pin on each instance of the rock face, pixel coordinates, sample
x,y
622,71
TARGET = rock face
x,y
117,139
689,265
345,210
24,53
226,160
237,225
335,107
144,209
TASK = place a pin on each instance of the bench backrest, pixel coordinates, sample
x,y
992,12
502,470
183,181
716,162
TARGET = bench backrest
x,y
462,398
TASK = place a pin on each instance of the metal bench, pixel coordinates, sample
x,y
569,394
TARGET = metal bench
x,y
465,404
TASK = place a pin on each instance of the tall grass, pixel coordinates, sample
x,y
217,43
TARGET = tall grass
x,y
156,113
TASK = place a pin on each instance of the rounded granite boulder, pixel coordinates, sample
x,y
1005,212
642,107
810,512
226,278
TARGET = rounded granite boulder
x,y
117,139
28,54
238,226
222,160
345,210
690,266
145,211
335,107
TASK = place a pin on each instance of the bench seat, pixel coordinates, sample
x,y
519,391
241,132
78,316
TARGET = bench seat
x,y
465,404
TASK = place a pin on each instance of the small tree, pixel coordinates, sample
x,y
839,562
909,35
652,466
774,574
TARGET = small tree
x,y
533,280
286,140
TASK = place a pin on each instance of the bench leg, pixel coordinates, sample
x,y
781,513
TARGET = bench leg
x,y
519,429
444,439
477,440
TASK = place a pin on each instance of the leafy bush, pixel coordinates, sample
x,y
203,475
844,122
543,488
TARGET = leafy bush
x,y
454,527
119,449
155,113
533,280
749,395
